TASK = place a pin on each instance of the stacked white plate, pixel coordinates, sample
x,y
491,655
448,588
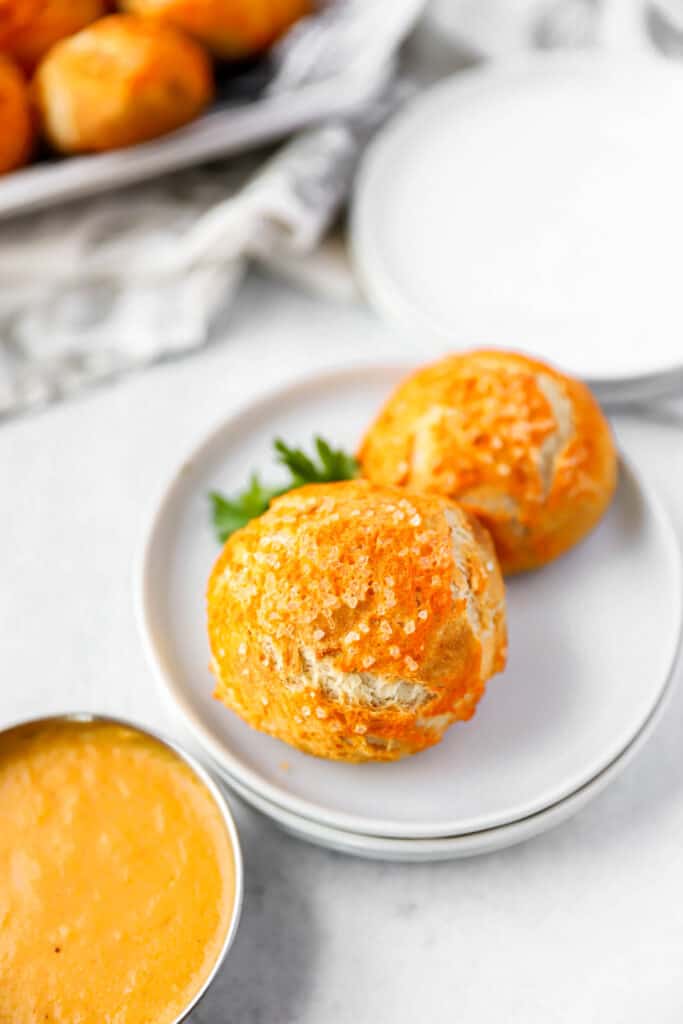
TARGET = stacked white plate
x,y
535,205
593,641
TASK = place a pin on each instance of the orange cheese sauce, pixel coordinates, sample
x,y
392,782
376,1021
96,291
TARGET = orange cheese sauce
x,y
117,877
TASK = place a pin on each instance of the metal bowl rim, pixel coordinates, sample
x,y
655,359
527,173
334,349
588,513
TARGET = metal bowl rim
x,y
206,777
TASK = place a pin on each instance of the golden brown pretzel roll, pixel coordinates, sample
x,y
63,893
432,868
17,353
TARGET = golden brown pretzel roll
x,y
28,28
122,80
356,622
16,122
522,446
229,28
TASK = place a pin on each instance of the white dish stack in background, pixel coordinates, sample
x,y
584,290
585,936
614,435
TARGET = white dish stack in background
x,y
591,657
535,205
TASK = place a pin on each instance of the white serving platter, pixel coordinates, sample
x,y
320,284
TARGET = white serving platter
x,y
593,639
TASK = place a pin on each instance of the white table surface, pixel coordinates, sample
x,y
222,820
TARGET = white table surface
x,y
582,924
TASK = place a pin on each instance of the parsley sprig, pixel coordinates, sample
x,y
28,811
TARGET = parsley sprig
x,y
230,514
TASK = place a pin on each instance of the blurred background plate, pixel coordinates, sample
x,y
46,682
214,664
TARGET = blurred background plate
x,y
536,205
591,649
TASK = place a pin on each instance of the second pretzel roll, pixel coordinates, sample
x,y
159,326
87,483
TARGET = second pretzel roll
x,y
522,446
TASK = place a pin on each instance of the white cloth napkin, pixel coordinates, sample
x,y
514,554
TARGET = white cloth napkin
x,y
92,290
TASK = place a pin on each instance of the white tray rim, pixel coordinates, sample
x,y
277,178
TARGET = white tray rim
x,y
218,133
470,844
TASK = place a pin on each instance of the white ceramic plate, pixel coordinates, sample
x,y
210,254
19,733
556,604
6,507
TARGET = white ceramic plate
x,y
452,847
535,205
592,642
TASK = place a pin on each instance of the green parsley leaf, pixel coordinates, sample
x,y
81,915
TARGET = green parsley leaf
x,y
231,514
297,462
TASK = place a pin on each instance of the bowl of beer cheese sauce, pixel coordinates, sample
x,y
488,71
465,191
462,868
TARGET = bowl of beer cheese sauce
x,y
120,875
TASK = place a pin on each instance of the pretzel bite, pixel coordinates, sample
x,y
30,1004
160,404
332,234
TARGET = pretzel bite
x,y
28,28
356,622
16,122
121,81
522,446
231,29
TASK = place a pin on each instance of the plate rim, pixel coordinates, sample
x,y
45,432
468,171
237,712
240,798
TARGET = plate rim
x,y
295,389
469,844
380,289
